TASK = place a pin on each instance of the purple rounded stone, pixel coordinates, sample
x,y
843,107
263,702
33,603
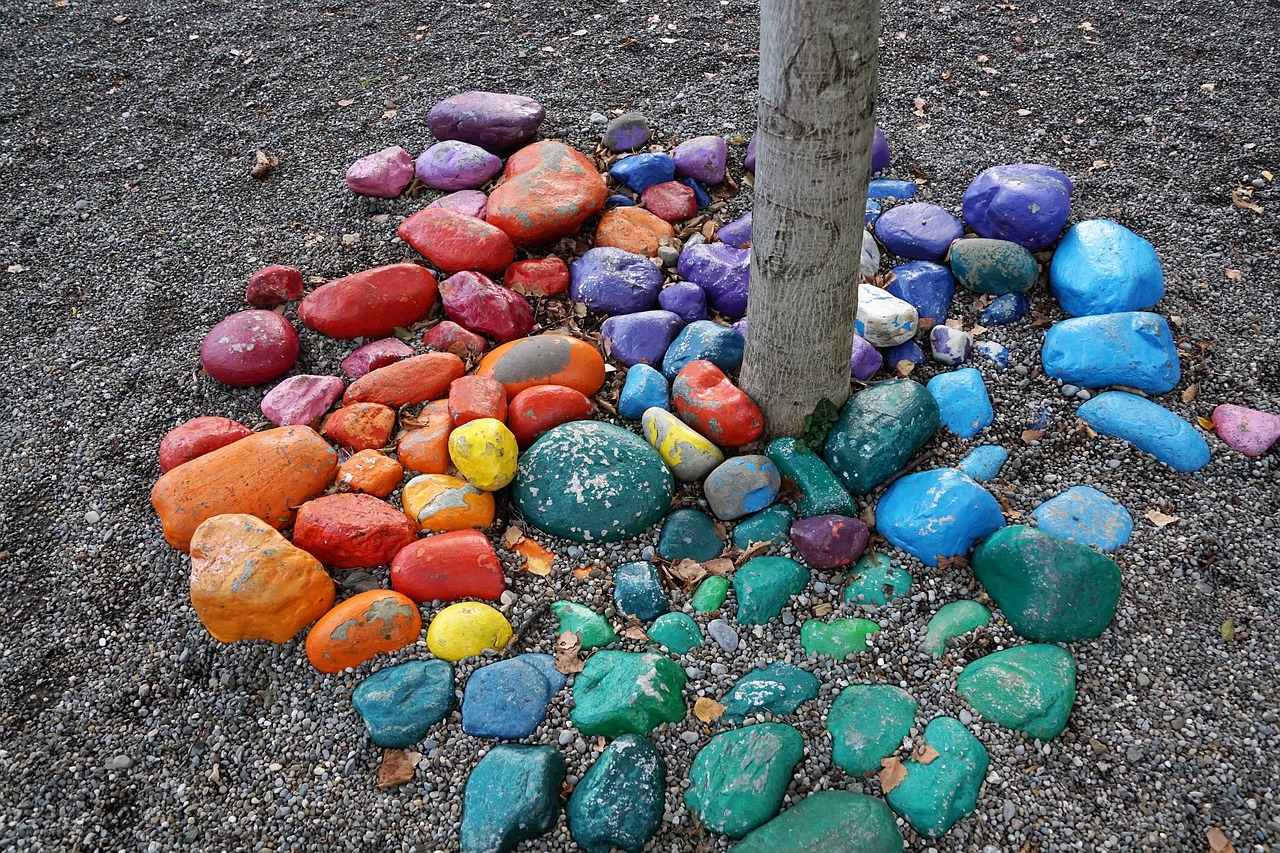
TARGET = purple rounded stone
x,y
879,152
684,299
384,173
301,399
471,202
741,327
613,281
640,338
918,231
722,271
737,233
829,541
702,158
454,165
865,360
749,161
1024,203
373,355
494,121
625,132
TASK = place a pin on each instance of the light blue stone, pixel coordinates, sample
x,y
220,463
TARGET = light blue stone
x,y
887,188
873,212
641,171
704,339
637,590
963,404
984,463
506,700
993,352
1101,267
398,704
645,387
937,513
1087,516
927,286
742,485
875,581
1149,427
1133,348
772,524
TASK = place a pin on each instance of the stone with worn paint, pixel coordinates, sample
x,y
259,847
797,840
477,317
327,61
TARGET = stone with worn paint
x,y
684,299
828,821
875,581
1005,309
618,804
991,266
918,231
722,271
496,121
301,400
508,699
401,703
710,594
592,628
637,591
984,462
383,174
736,233
626,692
1147,426
881,188
952,620
701,158
927,286
707,400
1025,203
820,491
512,795
938,513
364,626
778,688
481,305
771,524
1101,267
934,796
1132,348
993,352
883,319
742,485
470,202
688,534
645,388
1085,515
907,351
548,191
633,229
466,629
627,131
676,632
829,541
689,456
612,281
878,431
640,338
868,723
737,781
1250,431
1029,689
456,165
950,346
763,585
440,503
375,354
484,451
837,639
706,340
964,406
869,259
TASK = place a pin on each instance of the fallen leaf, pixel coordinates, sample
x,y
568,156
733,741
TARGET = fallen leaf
x,y
920,104
687,572
537,560
983,93
346,102
582,572
1030,435
1218,841
946,76
263,164
753,549
982,58
1206,424
635,631
1235,275
1159,519
955,323
719,566
120,19
512,537
822,608
568,659
903,368
397,767
892,772
707,710
959,561
1086,26
392,113
1228,629
978,330
1191,392
923,753
1266,175
1208,87
15,268
1240,198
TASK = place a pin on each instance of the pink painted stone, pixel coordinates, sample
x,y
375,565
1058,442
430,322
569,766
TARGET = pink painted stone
x,y
249,347
448,336
475,302
301,400
672,201
373,355
1250,431
272,286
471,202
384,174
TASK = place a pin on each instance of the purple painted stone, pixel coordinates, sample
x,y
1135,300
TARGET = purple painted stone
x,y
950,346
613,281
829,541
373,355
741,327
1250,431
722,271
454,165
478,304
384,173
879,152
918,231
1024,203
749,162
496,122
470,202
702,158
865,360
640,338
737,233
684,299
301,400
625,132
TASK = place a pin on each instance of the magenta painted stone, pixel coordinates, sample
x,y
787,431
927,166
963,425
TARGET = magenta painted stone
x,y
471,202
384,173
249,347
373,355
475,302
272,286
670,200
454,165
829,541
494,121
865,360
701,158
301,400
448,336
1249,431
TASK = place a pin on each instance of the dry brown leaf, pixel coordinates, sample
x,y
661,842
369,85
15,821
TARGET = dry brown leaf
x,y
923,753
1191,392
568,659
1086,26
346,102
1218,841
1030,435
719,566
263,164
959,561
512,537
634,629
753,549
946,76
1206,424
822,608
1235,275
955,323
903,368
582,572
1208,87
892,772
1159,519
920,104
982,59
707,710
1240,198
397,767
537,560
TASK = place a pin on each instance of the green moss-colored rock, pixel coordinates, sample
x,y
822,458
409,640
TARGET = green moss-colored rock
x,y
952,620
836,639
934,796
513,795
710,594
993,266
867,723
876,581
594,629
878,431
820,491
772,524
677,632
738,779
1029,689
778,688
626,692
763,586
689,535
618,803
828,821
1051,590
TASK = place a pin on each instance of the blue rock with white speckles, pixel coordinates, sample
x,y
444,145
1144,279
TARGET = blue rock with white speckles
x,y
1149,427
618,804
684,299
984,463
645,388
1024,203
637,590
737,233
963,403
919,231
613,281
937,513
1101,267
722,271
1005,309
720,345
1085,515
505,700
993,352
742,485
886,188
927,286
398,704
777,687
640,338
875,581
641,171
1133,348
883,319
873,211
512,795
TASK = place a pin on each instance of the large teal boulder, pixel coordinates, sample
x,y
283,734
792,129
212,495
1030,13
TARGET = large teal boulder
x,y
820,491
1101,267
867,723
993,266
618,804
398,704
737,781
1149,427
512,795
592,482
778,688
878,432
1132,348
627,692
763,586
934,796
689,535
826,822
938,513
1029,689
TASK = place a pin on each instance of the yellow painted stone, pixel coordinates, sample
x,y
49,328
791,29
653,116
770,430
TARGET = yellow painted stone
x,y
485,452
689,455
465,629
439,503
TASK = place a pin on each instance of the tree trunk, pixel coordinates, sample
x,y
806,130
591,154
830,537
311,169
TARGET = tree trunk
x,y
816,115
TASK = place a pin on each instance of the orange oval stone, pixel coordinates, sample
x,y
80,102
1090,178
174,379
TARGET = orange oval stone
x,y
424,449
365,625
439,503
361,426
535,410
545,360
371,473
548,190
351,531
633,229
412,380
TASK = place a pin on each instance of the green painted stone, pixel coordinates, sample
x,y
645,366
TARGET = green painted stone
x,y
934,796
952,620
689,534
594,629
875,580
778,688
627,692
592,482
513,795
677,632
738,779
1029,689
710,594
820,491
867,723
993,266
618,803
828,821
764,584
1051,590
838,639
772,524
879,430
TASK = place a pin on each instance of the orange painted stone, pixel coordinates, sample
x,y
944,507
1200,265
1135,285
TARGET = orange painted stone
x,y
540,277
371,473
634,230
361,426
548,190
535,410
424,449
267,475
438,503
370,304
413,380
474,397
454,241
448,336
197,437
249,583
708,401
352,531
363,626
545,360
449,567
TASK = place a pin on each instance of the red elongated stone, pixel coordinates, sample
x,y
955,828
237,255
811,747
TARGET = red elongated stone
x,y
708,401
548,190
352,531
474,397
535,410
448,336
448,567
540,277
454,241
197,437
412,380
370,304
475,302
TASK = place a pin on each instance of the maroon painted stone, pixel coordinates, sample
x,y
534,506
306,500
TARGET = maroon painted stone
x,y
829,541
671,200
706,399
540,277
383,174
474,302
535,410
352,531
448,336
373,355
454,241
371,303
495,121
301,400
448,567
197,437
249,347
470,202
548,190
272,286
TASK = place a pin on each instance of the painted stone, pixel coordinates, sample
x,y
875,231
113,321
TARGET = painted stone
x,y
953,620
1250,431
1134,348
984,462
408,381
736,233
249,348
548,191
882,188
466,629
301,400
627,693
640,338
879,430
350,531
828,820
439,503
1101,267
867,723
454,241
512,795
991,266
1147,426
938,513
720,345
1004,309
373,355
684,299
964,406
701,158
496,121
507,699
1029,689
362,627
456,165
934,796
644,389
535,411
538,276
545,360
368,472
612,281
634,230
1025,203
763,585
883,319
688,534
689,456
777,687
820,491
875,581
618,804
993,352
469,202
708,401
475,302
723,272
484,451
918,231
671,201
638,172
742,485
864,359
383,174
771,524
837,639
472,398
1085,515
625,132
637,591
592,629
196,437
370,303
829,541
950,346
361,426
448,567
710,594
676,632
738,779
927,286
272,286
424,449
401,703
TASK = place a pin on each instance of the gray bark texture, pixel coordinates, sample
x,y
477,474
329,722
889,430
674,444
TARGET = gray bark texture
x,y
816,113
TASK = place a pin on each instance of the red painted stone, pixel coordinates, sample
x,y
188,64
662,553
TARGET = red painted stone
x,y
473,301
535,410
272,286
249,347
373,355
449,567
672,201
361,426
413,380
352,531
370,304
197,437
474,397
541,277
708,401
454,241
448,336
548,190
545,360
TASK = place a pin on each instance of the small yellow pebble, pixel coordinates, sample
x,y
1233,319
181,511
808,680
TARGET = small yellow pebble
x,y
485,452
465,629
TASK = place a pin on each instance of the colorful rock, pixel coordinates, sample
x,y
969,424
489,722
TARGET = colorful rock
x,y
918,231
644,389
474,397
349,531
272,286
634,230
701,158
738,779
508,699
449,567
705,340
671,201
625,132
688,534
424,448
934,796
466,629
1133,348
709,402
196,437
495,121
513,795
640,338
545,360
408,381
612,281
1149,427
476,303
548,191
593,630
624,692
1022,202
638,172
837,639
742,485
454,241
879,430
535,411
401,703
469,202
964,406
777,688
864,359
370,473
883,319
361,426
950,346
763,586
991,266
485,453
684,299
828,820
710,594
875,581
249,347
439,503
301,400
689,456
371,303
618,804
382,174
938,513
984,462
538,277
1101,267
1250,431
737,233
637,590
771,524
820,490
722,271
868,723
448,336
1029,689
953,620
373,355
1004,309
829,541
362,627
456,165
1085,515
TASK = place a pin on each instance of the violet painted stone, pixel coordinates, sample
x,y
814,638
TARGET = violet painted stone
x,y
879,151
625,132
950,346
471,202
614,281
701,158
476,303
919,231
829,541
749,161
1250,431
384,173
373,355
722,271
456,165
865,360
495,121
619,200
1024,203
684,299
737,233
741,327
301,400
641,171
639,338
927,286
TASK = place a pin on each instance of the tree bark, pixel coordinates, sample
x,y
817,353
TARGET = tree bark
x,y
816,112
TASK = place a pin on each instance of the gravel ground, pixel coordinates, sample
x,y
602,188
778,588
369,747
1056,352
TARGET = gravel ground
x,y
127,130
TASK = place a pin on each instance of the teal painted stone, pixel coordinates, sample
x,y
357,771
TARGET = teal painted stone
x,y
618,803
838,639
398,704
772,524
1149,427
689,535
876,581
764,584
593,628
677,632
592,482
934,796
1087,516
621,692
1029,689
778,688
638,592
879,430
742,485
984,462
820,491
710,594
993,266
828,821
1051,590
867,723
938,513
952,620
738,779
513,795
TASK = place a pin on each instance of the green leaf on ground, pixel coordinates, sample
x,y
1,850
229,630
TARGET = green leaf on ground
x,y
818,424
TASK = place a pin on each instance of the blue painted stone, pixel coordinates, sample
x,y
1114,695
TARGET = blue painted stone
x,y
993,352
513,795
920,231
1087,516
1005,309
1149,427
935,513
684,299
700,195
1101,267
905,351
625,132
963,403
645,388
880,154
505,700
640,338
984,463
1133,348
398,704
1024,203
749,159
950,346
927,286
722,271
612,281
772,524
778,688
737,233
688,534
637,590
865,359
873,211
618,804
720,345
619,200
641,171
885,188
546,664
742,485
